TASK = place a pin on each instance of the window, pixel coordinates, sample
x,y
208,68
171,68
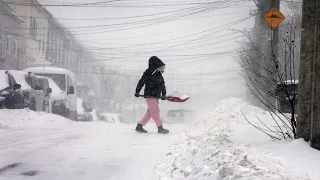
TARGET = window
x,y
45,39
61,50
59,79
31,27
35,29
12,81
8,44
28,79
35,81
58,50
49,45
1,49
15,49
69,82
39,39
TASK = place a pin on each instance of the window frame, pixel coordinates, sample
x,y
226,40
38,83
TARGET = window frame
x,y
8,44
1,49
15,49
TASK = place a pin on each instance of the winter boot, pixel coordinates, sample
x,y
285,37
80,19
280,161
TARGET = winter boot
x,y
140,129
161,130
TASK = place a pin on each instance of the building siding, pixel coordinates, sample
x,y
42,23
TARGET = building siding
x,y
9,38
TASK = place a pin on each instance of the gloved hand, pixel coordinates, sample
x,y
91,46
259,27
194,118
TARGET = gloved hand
x,y
163,97
136,94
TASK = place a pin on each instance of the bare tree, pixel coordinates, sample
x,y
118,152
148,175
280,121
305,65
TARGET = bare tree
x,y
275,81
110,77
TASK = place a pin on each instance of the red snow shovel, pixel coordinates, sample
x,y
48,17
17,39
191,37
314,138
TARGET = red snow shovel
x,y
171,98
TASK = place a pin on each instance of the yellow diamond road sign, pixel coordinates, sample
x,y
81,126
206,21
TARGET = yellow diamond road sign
x,y
274,17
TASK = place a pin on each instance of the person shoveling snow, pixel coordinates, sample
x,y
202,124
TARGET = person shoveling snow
x,y
154,88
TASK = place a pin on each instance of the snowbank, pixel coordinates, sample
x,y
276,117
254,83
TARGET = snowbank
x,y
225,147
28,119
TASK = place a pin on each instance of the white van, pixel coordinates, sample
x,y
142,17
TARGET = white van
x,y
66,80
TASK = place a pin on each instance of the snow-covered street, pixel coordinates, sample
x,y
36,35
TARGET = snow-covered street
x,y
56,149
218,146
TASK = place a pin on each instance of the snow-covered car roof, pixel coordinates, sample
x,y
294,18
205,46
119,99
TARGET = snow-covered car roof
x,y
51,70
20,77
4,81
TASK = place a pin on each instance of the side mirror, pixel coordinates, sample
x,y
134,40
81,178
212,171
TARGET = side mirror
x,y
71,90
17,86
89,110
38,88
49,90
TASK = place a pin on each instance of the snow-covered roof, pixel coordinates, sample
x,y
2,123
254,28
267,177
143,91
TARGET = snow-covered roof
x,y
51,70
12,11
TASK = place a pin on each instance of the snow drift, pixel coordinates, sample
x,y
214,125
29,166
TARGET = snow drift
x,y
225,147
28,119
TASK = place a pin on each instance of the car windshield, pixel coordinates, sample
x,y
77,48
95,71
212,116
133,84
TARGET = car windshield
x,y
43,83
59,79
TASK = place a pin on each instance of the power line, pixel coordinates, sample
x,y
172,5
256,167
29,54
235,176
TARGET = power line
x,y
65,5
123,5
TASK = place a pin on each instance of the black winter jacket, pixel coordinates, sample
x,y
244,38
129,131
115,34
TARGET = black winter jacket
x,y
152,79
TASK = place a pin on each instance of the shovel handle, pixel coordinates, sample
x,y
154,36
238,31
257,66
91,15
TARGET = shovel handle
x,y
149,96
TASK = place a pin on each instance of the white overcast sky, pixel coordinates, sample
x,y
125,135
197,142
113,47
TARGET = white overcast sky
x,y
183,44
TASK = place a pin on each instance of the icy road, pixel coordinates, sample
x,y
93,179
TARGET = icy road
x,y
219,146
55,149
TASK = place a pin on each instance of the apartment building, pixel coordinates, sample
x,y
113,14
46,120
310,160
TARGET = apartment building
x,y
46,42
33,32
10,23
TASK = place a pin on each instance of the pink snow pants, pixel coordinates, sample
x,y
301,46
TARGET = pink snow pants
x,y
153,111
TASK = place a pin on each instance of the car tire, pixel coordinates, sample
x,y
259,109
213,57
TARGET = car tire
x,y
63,111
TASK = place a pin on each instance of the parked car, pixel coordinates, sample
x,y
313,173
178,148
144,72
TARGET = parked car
x,y
44,83
11,96
112,118
34,97
179,116
84,113
57,97
286,93
67,104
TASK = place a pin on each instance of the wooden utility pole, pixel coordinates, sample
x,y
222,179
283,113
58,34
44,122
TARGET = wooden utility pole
x,y
269,48
309,81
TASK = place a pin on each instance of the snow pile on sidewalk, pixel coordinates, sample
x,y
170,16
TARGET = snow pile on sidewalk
x,y
211,152
28,119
